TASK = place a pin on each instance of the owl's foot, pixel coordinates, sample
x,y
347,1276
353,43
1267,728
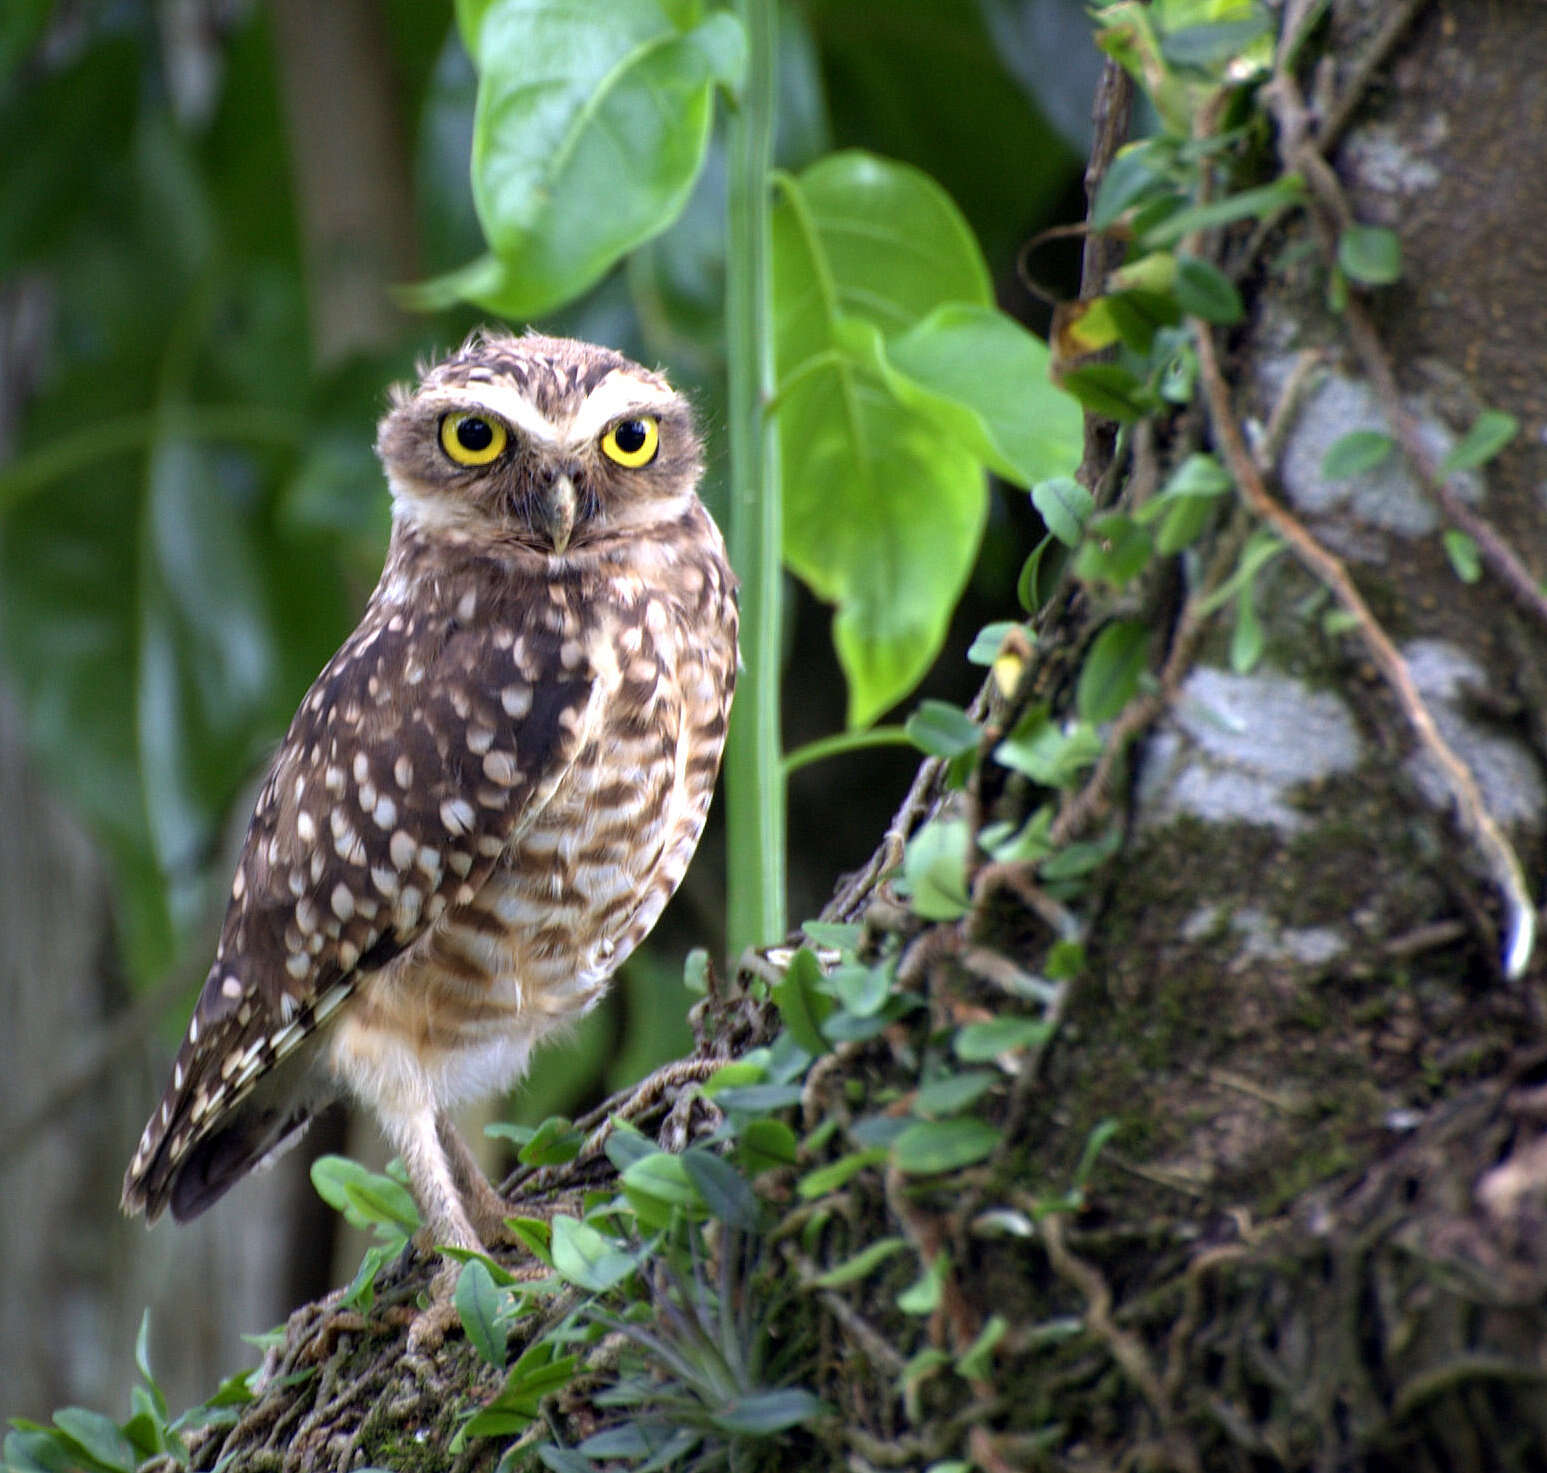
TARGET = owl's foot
x,y
430,1325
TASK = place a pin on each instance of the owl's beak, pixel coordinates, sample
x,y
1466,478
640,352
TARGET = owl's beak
x,y
558,512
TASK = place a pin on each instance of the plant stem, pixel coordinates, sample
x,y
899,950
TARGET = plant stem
x,y
754,776
836,745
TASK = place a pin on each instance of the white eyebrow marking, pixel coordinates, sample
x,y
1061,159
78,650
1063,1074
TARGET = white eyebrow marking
x,y
504,402
618,394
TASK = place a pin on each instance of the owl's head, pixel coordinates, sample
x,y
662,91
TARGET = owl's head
x,y
548,442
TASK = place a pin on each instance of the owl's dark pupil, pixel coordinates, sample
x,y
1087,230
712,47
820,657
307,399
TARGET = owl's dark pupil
x,y
631,436
474,434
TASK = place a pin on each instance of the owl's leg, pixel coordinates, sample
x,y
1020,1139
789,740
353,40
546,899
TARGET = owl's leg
x,y
434,1182
485,1208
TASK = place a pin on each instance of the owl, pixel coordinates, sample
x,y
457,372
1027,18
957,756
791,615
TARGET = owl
x,y
490,792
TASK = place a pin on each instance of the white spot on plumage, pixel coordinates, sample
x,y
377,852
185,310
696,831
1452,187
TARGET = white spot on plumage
x,y
402,849
458,816
384,812
517,700
342,901
500,767
298,964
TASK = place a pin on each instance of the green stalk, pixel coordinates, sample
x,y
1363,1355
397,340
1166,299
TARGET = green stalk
x,y
754,780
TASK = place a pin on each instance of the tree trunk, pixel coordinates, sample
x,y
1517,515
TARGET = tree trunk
x,y
1318,1236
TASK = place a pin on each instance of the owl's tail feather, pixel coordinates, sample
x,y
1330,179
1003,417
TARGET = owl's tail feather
x,y
221,1159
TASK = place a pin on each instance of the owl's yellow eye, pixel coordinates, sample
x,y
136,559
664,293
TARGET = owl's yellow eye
x,y
470,439
633,442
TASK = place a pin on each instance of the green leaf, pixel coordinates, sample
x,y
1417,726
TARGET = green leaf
x,y
1250,204
1261,548
725,1191
1246,639
1040,573
978,1043
943,730
953,1092
366,1198
976,1362
861,1265
930,1146
1203,290
539,1372
1064,506
1114,664
1198,477
762,1413
553,1143
360,1293
577,105
478,1303
97,1436
861,990
1115,551
1491,431
923,1296
1370,254
1356,452
142,1363
935,869
982,378
1137,171
883,513
1047,752
659,1185
829,1178
1462,552
1109,389
586,1258
765,1145
984,649
801,1005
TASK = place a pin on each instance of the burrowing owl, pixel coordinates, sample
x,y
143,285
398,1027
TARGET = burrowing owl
x,y
488,795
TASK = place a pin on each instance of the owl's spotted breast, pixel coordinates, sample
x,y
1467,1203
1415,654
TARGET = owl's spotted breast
x,y
491,791
583,882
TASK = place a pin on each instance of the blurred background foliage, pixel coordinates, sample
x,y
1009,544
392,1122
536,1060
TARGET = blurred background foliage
x,y
191,515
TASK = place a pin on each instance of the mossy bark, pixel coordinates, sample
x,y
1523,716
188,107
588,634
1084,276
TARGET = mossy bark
x,y
1318,1237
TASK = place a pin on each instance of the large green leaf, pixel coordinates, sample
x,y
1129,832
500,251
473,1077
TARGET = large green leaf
x,y
980,377
590,128
883,513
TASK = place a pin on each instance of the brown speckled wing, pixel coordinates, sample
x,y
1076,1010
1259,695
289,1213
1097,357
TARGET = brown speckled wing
x,y
439,729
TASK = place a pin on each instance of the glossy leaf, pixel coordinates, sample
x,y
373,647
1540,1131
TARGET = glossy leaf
x,y
586,1257
1065,506
724,1189
935,868
1109,677
801,1005
590,129
883,513
478,1304
983,379
943,730
1203,290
